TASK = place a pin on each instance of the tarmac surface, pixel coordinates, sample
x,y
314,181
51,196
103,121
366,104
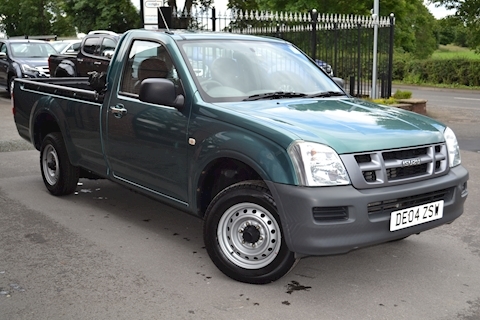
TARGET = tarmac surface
x,y
108,253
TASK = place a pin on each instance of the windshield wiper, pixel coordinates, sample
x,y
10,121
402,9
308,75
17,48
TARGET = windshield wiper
x,y
326,94
275,95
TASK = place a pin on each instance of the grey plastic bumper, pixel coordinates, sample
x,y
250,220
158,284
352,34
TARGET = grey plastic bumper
x,y
305,235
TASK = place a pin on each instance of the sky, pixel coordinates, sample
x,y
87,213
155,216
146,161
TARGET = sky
x,y
221,6
440,12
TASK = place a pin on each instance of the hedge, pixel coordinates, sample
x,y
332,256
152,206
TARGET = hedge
x,y
457,71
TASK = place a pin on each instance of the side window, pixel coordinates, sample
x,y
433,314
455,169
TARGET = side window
x,y
91,45
108,48
75,47
3,47
146,59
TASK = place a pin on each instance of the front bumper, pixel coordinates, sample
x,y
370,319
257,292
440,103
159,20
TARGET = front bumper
x,y
306,234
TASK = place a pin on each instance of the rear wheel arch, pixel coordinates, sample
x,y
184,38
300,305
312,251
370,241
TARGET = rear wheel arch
x,y
43,124
65,68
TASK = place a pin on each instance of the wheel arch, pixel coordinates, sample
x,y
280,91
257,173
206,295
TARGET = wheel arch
x,y
220,173
228,157
66,68
44,121
43,124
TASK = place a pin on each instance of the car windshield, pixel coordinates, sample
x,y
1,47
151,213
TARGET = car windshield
x,y
32,49
60,46
237,70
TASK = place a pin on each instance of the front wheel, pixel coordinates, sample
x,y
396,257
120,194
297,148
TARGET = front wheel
x,y
243,234
11,84
59,175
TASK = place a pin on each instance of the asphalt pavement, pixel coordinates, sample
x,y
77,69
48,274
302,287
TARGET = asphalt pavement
x,y
108,253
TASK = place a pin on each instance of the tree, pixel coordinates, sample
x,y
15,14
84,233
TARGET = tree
x,y
32,17
451,29
114,15
468,12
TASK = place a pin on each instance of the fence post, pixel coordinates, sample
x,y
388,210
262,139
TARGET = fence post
x,y
390,56
359,60
314,33
214,19
335,53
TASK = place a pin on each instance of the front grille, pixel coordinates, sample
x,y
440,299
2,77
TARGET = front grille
x,y
382,209
392,167
398,173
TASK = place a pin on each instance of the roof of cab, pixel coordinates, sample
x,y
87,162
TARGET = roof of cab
x,y
181,34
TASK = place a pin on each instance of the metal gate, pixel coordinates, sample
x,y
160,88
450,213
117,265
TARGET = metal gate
x,y
345,42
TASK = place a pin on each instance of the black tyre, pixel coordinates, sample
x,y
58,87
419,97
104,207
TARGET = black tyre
x,y
243,234
10,84
59,175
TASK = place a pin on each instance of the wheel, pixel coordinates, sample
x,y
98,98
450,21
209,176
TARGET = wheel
x,y
10,84
59,175
243,234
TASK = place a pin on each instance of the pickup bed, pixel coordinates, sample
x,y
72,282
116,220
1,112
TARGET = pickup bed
x,y
251,135
95,53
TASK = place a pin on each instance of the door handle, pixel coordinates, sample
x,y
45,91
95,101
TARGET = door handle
x,y
97,63
118,111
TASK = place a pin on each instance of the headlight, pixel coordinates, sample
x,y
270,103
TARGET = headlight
x,y
317,165
27,68
452,147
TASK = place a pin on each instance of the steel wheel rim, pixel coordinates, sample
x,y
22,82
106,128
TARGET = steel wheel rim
x,y
236,226
51,171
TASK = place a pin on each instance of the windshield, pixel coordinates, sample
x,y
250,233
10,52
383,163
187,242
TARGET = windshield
x,y
59,46
236,70
32,49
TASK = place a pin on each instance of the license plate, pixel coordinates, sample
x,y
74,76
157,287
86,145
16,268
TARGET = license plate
x,y
413,216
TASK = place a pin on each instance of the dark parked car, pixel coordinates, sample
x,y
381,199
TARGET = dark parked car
x,y
23,58
94,54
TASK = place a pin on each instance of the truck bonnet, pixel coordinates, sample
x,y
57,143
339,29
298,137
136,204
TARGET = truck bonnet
x,y
347,125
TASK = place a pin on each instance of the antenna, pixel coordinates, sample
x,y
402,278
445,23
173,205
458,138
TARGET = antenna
x,y
160,13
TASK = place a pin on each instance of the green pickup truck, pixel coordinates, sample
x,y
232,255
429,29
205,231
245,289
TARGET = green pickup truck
x,y
251,135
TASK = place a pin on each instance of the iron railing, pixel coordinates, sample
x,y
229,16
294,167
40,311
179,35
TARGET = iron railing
x,y
343,41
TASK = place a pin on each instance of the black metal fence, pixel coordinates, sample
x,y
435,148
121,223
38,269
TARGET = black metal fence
x,y
345,42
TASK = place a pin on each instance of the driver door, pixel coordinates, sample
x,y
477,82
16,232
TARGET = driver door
x,y
147,145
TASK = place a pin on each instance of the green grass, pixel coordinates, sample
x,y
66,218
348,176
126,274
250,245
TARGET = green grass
x,y
454,52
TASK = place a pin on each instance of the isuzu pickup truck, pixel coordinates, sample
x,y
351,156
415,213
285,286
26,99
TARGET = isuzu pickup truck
x,y
251,135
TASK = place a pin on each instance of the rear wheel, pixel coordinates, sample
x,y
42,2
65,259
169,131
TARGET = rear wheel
x,y
59,175
243,234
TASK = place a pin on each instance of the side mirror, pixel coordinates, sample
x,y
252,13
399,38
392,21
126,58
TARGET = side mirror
x,y
339,81
3,55
160,91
